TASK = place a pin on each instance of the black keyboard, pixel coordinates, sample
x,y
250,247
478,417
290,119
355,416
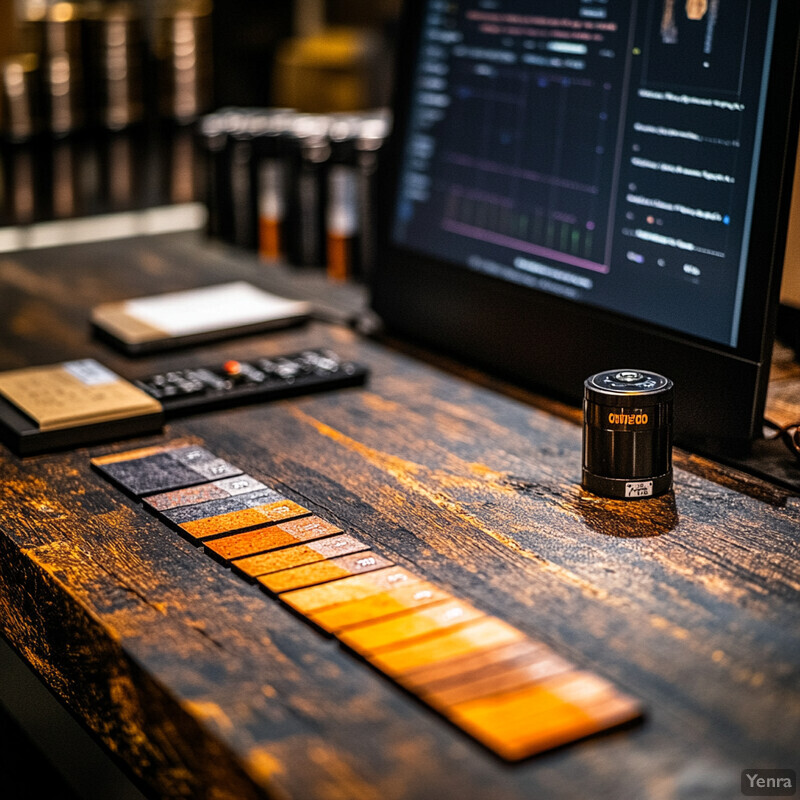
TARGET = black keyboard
x,y
234,382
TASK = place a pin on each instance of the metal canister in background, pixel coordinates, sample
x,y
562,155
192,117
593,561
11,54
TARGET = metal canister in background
x,y
309,150
21,124
20,113
21,155
62,67
372,134
225,140
272,176
115,54
182,48
212,138
627,434
115,34
239,167
343,207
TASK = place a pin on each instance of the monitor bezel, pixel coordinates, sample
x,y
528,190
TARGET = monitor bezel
x,y
528,337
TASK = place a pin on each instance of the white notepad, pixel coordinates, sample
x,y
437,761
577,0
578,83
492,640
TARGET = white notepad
x,y
186,317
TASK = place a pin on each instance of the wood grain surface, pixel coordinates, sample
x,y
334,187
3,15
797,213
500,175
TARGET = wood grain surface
x,y
206,687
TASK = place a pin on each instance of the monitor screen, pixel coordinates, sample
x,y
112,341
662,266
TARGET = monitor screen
x,y
617,167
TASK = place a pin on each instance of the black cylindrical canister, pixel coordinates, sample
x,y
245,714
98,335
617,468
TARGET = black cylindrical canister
x,y
627,434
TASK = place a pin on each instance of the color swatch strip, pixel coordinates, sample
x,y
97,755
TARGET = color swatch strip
x,y
507,690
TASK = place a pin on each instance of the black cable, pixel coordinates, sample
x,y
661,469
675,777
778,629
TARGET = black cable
x,y
789,434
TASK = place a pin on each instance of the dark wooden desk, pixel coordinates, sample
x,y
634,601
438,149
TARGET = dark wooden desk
x,y
206,687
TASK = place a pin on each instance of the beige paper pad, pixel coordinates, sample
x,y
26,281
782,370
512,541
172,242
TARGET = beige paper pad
x,y
74,393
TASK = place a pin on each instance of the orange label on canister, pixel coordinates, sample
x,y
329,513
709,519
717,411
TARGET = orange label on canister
x,y
269,239
628,419
619,418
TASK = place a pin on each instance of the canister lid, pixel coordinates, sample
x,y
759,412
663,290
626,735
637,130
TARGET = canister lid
x,y
628,387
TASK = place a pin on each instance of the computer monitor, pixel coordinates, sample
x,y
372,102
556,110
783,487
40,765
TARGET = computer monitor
x,y
581,185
